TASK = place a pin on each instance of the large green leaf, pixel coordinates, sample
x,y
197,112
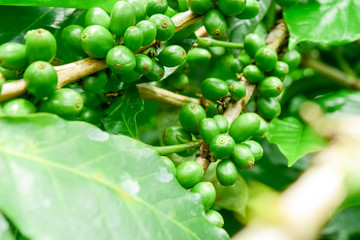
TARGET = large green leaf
x,y
80,4
331,22
5,230
239,28
28,18
70,180
294,138
121,117
336,104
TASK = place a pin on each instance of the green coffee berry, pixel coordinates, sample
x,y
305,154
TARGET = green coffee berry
x,y
164,25
208,129
170,166
40,45
281,70
231,7
237,66
237,90
270,87
215,218
268,107
90,115
214,88
148,30
66,103
97,16
13,56
263,129
207,193
199,6
226,172
175,135
122,16
157,73
251,10
120,60
94,83
177,81
96,41
252,43
172,56
41,79
156,6
292,58
198,56
140,9
144,64
133,38
211,110
266,58
18,106
243,157
215,23
255,148
71,38
222,122
222,146
189,173
244,127
244,58
253,74
190,116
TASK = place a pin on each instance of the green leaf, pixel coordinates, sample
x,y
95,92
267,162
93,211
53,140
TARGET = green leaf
x,y
80,4
28,18
70,180
233,198
5,230
121,118
340,103
294,139
239,28
345,225
331,22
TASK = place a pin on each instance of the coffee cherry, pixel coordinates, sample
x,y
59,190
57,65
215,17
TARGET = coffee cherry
x,y
172,56
164,25
217,51
266,58
212,110
144,64
190,116
13,56
208,129
215,23
169,164
237,90
71,38
66,102
263,129
243,157
231,7
207,193
41,79
255,148
222,146
177,81
251,10
182,5
281,70
96,41
156,6
292,58
237,66
148,30
287,3
198,57
175,135
270,87
189,173
122,16
120,60
222,123
130,76
214,88
133,38
91,99
9,74
18,106
214,218
199,6
95,82
90,115
157,73
244,127
226,172
140,9
40,45
97,16
244,58
253,74
252,43
268,107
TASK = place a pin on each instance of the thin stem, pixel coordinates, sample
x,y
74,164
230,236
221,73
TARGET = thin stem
x,y
164,150
209,42
332,73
